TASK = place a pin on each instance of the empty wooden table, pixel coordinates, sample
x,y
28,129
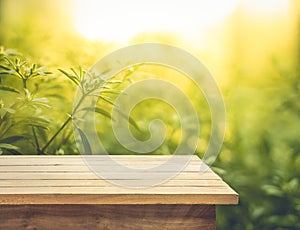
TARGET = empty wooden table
x,y
62,192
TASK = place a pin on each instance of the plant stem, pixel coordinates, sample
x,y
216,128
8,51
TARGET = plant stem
x,y
55,135
64,140
63,126
24,83
39,152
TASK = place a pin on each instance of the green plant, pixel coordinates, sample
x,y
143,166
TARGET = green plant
x,y
20,107
261,159
25,117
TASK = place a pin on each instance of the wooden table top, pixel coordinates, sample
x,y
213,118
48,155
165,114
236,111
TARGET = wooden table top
x,y
68,180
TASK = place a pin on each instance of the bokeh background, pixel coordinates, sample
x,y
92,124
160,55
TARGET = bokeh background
x,y
251,47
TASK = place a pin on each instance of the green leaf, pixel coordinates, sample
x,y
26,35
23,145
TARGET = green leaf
x,y
111,91
41,100
9,89
85,142
11,53
130,120
107,114
218,170
71,77
9,110
114,81
75,73
33,68
107,100
134,124
27,94
55,95
98,110
42,133
272,190
11,139
81,72
37,122
5,67
8,146
14,152
39,119
103,112
39,126
9,62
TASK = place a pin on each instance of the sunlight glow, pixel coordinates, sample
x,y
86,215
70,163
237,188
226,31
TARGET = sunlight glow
x,y
266,6
117,20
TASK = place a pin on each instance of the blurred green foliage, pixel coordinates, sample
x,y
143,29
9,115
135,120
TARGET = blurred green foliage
x,y
261,86
261,158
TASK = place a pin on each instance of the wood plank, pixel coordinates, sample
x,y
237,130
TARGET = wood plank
x,y
100,163
35,179
147,217
27,160
85,168
65,162
91,175
101,183
62,192
115,190
102,157
111,199
119,157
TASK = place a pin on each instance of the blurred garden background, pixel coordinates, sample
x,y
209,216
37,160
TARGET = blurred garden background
x,y
251,47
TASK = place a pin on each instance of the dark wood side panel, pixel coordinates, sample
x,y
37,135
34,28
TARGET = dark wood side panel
x,y
147,217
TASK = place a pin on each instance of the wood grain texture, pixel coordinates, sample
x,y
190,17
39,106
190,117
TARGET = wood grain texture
x,y
69,180
127,217
62,192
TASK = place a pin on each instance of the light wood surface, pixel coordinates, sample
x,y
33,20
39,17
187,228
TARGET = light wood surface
x,y
68,180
